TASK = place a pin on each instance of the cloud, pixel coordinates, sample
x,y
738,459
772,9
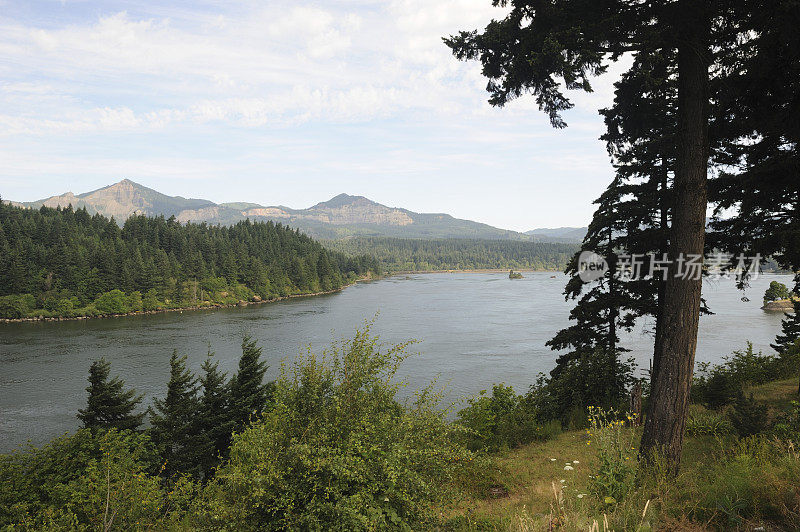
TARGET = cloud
x,y
351,87
251,66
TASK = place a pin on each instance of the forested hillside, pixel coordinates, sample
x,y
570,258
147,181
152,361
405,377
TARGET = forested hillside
x,y
401,254
65,262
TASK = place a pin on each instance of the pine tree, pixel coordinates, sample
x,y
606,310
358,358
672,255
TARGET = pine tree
x,y
109,404
249,394
544,47
631,218
599,315
215,425
174,419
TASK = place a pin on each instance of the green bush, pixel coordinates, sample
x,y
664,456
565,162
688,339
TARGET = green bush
x,y
150,301
113,302
718,385
89,481
719,389
14,307
501,421
134,301
339,452
748,416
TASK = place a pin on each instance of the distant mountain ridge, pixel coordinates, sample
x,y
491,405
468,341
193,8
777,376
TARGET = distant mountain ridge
x,y
560,234
340,217
121,200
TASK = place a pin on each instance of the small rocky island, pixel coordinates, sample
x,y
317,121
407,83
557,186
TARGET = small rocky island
x,y
778,297
782,305
514,275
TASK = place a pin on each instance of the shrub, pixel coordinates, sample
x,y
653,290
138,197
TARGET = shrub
x,y
113,302
134,301
339,452
14,307
150,301
720,389
501,421
748,417
718,385
87,481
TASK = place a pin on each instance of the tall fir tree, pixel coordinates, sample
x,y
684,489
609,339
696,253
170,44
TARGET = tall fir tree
x,y
250,395
110,405
174,419
545,47
631,219
215,425
592,341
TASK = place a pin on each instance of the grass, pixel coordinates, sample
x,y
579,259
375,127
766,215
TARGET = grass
x,y
777,393
724,484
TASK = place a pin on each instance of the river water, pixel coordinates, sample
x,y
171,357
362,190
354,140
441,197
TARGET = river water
x,y
474,329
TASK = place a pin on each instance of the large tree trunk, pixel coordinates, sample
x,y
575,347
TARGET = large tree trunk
x,y
680,310
663,248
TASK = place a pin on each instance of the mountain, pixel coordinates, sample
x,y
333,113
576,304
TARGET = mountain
x,y
123,199
339,217
559,234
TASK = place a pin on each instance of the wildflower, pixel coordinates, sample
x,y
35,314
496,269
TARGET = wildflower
x,y
575,462
552,459
562,480
581,495
568,468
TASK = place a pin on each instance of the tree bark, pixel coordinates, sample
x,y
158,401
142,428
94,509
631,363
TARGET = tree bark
x,y
674,356
664,226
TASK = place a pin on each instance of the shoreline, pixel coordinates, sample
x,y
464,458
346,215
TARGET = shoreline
x,y
241,304
262,302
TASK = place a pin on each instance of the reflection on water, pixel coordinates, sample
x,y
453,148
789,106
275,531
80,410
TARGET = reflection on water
x,y
475,329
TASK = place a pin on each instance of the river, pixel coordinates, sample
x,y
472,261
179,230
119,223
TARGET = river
x,y
474,329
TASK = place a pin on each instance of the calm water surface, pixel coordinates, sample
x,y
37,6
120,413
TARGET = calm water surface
x,y
474,329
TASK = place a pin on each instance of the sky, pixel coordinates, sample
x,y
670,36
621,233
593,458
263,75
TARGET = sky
x,y
285,103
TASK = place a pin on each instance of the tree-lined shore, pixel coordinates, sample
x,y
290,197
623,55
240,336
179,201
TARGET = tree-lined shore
x,y
61,263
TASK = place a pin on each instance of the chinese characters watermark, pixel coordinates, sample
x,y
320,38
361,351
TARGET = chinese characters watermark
x,y
634,267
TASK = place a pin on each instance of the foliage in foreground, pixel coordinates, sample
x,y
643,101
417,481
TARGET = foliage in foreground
x,y
504,420
338,451
719,385
334,450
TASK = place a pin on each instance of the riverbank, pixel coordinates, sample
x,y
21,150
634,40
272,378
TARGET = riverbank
x,y
212,306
